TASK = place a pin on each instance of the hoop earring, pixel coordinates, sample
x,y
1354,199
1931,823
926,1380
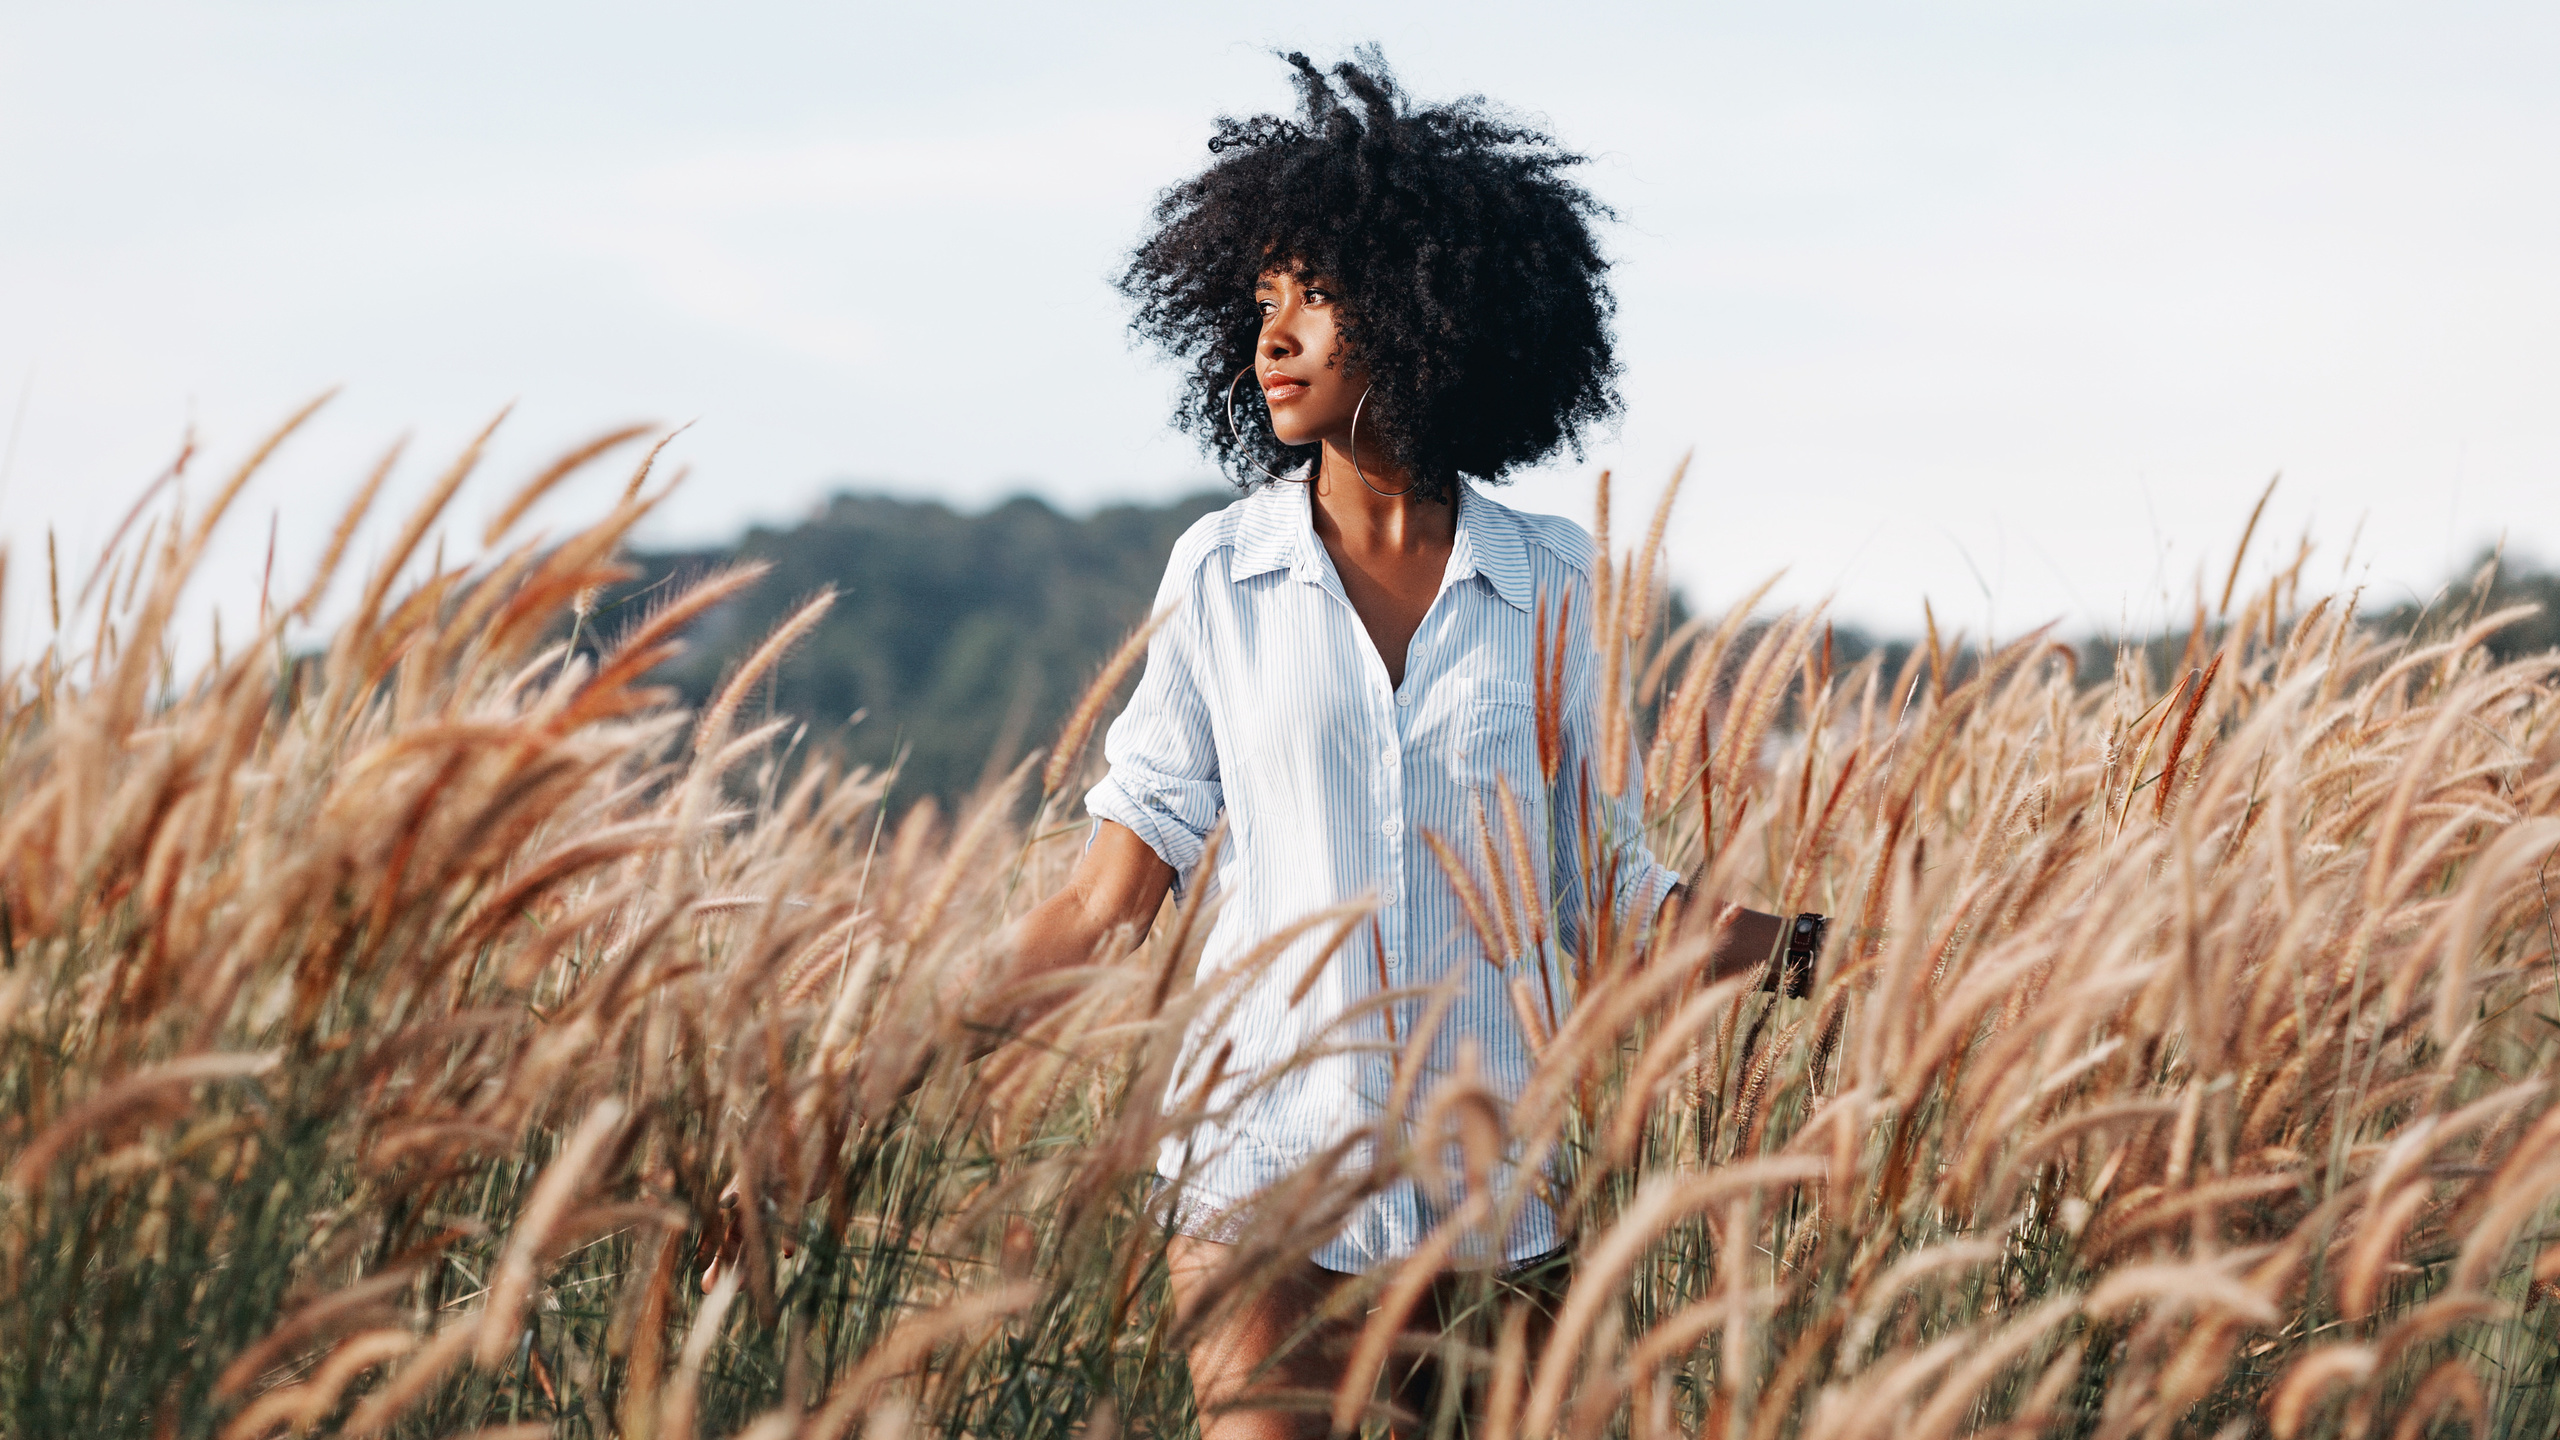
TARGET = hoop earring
x,y
1355,452
1238,432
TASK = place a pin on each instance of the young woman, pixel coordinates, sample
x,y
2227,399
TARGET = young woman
x,y
1384,309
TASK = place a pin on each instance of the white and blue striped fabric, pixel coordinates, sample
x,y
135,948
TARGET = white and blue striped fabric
x,y
1265,702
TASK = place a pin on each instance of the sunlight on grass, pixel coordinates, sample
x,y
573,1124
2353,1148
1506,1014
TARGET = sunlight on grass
x,y
380,1029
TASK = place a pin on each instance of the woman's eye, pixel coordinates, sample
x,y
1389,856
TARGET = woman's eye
x,y
1318,297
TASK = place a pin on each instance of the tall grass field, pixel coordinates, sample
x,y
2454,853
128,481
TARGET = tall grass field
x,y
393,1033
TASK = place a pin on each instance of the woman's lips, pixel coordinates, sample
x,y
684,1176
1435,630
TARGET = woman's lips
x,y
1279,388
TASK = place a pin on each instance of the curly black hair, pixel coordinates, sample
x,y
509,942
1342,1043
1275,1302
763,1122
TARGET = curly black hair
x,y
1473,290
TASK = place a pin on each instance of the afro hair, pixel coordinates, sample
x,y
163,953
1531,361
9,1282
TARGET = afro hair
x,y
1473,291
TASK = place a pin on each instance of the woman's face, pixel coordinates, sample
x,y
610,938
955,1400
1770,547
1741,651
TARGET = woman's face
x,y
1300,360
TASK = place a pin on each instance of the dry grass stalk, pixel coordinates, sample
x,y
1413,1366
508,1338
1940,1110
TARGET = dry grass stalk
x,y
1088,707
550,476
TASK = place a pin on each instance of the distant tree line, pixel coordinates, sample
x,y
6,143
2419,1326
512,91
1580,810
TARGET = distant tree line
x,y
960,641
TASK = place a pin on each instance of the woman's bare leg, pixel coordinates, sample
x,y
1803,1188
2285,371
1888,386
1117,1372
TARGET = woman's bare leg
x,y
1256,1374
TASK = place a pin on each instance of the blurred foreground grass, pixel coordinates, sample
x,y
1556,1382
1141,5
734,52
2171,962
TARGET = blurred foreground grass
x,y
379,1033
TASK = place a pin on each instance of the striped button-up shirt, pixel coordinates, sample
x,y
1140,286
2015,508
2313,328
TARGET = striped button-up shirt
x,y
1265,702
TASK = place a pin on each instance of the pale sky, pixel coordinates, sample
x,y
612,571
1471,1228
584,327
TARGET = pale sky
x,y
2011,306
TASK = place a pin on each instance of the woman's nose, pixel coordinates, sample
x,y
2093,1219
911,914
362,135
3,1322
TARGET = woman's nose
x,y
1279,333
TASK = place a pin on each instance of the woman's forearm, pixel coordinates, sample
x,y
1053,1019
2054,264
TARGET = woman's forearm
x,y
1743,939
1743,943
1066,930
1117,885
1059,933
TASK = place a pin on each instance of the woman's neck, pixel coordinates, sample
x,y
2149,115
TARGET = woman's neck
x,y
1354,510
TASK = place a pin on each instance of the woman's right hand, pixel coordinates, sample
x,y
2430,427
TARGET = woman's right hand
x,y
1118,885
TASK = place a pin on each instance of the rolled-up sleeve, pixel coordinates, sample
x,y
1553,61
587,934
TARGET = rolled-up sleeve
x,y
1163,783
1619,849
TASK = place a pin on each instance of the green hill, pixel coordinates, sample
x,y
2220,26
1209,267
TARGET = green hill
x,y
962,639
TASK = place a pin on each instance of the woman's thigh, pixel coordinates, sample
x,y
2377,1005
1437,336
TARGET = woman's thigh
x,y
1265,1364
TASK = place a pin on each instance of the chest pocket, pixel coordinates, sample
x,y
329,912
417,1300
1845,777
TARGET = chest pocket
x,y
1498,740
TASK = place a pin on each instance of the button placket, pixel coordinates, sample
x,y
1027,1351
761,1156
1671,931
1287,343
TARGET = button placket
x,y
1391,831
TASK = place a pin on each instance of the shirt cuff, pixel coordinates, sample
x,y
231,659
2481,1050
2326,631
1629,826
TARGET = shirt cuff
x,y
1640,896
1173,840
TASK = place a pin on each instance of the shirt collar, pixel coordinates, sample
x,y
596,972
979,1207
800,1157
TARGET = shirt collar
x,y
1275,533
1489,544
1279,533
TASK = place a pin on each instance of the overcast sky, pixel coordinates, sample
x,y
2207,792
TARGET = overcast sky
x,y
2012,306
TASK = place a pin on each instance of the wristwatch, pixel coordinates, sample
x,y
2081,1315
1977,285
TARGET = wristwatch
x,y
1799,948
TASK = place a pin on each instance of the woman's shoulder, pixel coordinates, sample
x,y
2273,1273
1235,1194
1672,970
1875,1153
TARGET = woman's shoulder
x,y
1552,539
1218,534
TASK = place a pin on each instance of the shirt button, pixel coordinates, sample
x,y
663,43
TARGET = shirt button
x,y
1403,699
1393,826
